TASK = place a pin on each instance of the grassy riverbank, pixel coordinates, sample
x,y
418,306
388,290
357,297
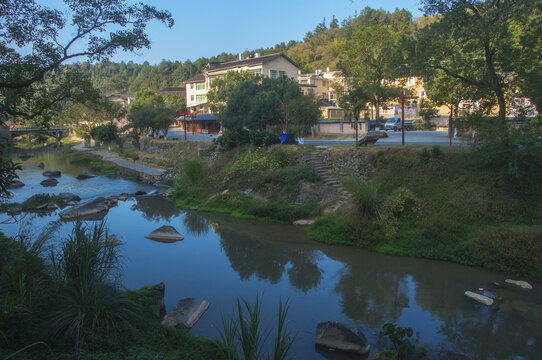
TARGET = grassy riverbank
x,y
63,302
258,183
444,204
438,203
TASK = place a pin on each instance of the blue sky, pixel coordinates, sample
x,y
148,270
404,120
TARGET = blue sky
x,y
209,27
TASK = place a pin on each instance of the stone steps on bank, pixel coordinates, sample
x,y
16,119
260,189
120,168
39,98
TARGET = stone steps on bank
x,y
323,170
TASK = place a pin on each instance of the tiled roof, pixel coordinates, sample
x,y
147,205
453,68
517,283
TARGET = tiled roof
x,y
196,79
249,62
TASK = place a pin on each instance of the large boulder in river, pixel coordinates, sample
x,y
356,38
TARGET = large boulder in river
x,y
41,165
52,173
15,184
87,209
157,293
85,175
186,314
67,197
484,300
166,234
49,182
339,336
519,283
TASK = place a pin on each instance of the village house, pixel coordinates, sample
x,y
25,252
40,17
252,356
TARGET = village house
x,y
273,66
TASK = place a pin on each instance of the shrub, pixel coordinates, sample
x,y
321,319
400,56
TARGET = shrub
x,y
403,347
367,199
516,250
516,153
231,139
194,171
425,156
263,138
436,151
401,203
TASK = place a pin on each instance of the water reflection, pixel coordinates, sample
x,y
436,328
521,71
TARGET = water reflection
x,y
195,223
156,208
371,294
265,257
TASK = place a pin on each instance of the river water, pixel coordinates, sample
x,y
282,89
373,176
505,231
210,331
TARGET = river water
x,y
223,258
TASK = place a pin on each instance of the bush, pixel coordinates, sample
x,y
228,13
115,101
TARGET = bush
x,y
425,156
400,204
515,250
263,138
231,139
194,171
367,199
516,153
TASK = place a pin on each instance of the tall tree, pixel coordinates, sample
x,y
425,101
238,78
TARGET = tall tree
x,y
304,113
34,48
473,41
222,87
374,57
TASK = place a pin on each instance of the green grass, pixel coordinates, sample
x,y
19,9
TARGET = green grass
x,y
441,204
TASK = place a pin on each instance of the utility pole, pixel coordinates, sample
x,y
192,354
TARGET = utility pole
x,y
402,116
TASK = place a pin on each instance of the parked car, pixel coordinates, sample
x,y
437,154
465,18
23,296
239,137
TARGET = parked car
x,y
394,124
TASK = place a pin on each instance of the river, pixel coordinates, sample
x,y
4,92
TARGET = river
x,y
223,258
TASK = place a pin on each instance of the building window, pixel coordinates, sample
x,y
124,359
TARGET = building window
x,y
191,97
422,93
200,86
273,74
282,73
331,96
411,81
192,86
256,72
201,98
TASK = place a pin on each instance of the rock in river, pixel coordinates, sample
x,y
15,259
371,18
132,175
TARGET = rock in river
x,y
67,197
342,337
85,175
15,184
52,173
49,182
187,313
166,234
519,283
86,209
41,165
484,300
303,222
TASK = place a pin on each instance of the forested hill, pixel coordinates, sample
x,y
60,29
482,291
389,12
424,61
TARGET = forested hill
x,y
318,50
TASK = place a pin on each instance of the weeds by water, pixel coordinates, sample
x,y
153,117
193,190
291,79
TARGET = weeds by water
x,y
245,334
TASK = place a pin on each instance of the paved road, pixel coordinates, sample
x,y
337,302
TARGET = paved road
x,y
394,138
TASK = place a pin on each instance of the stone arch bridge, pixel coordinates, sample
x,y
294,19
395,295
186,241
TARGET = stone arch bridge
x,y
56,132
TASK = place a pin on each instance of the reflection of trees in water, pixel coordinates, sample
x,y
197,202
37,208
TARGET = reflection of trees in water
x,y
156,208
268,261
195,223
372,295
511,331
490,334
305,275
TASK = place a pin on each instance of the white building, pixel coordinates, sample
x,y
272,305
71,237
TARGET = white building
x,y
273,66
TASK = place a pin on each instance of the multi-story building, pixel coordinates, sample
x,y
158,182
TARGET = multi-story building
x,y
273,66
320,85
